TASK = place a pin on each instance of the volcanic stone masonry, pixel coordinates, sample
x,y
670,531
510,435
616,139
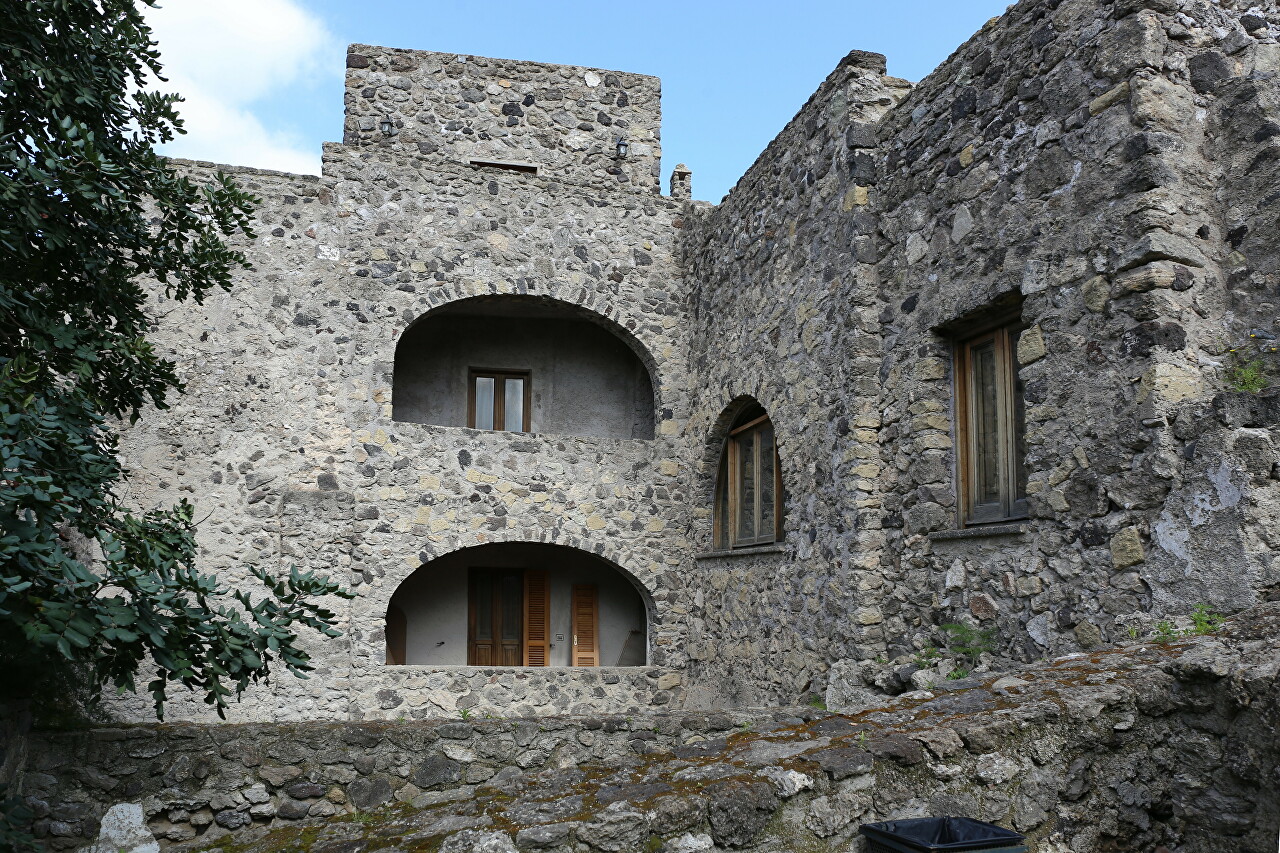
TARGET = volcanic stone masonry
x,y
1107,167
1153,745
1104,172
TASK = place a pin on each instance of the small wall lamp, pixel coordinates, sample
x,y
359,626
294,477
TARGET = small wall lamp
x,y
623,146
386,126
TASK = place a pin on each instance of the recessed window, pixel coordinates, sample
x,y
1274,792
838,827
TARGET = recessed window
x,y
499,400
749,488
990,426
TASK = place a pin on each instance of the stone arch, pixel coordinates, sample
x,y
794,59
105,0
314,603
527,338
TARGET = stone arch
x,y
436,597
555,368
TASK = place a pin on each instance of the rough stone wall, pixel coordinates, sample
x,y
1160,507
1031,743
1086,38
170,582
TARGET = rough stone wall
x,y
783,314
1108,165
204,781
285,443
1076,154
1138,748
563,118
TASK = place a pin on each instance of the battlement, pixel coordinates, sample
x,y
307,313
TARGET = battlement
x,y
581,124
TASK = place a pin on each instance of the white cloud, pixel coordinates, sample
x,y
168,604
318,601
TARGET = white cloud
x,y
225,57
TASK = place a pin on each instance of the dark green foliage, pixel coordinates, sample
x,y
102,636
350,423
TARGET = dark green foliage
x,y
95,228
969,641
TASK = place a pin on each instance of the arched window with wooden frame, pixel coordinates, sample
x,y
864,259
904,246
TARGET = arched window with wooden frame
x,y
749,485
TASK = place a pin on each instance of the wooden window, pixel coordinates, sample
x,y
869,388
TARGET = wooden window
x,y
498,400
586,627
749,490
990,427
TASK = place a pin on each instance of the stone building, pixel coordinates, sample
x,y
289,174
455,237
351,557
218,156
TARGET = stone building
x,y
978,349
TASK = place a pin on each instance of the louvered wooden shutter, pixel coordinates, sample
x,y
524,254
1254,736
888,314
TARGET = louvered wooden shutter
x,y
537,593
586,627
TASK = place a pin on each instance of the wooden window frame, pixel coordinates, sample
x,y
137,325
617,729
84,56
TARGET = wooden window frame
x,y
499,399
1011,463
728,491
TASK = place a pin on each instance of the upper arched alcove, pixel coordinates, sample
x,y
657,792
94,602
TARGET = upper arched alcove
x,y
522,364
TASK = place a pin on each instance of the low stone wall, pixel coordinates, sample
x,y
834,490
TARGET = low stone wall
x,y
1153,745
202,781
423,692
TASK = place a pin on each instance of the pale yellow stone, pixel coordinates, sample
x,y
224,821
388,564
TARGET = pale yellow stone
x,y
1031,346
668,428
966,156
668,681
595,522
855,197
933,442
430,482
1097,292
1110,98
941,422
930,368
418,266
1147,277
1169,383
1126,548
474,476
656,525
668,468
868,616
423,515
378,254
1081,457
920,407
1059,475
867,470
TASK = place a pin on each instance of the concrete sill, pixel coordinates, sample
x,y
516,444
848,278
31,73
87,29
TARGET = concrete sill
x,y
742,552
987,530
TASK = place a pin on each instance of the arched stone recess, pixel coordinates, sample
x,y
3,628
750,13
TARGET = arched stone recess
x,y
518,604
707,474
369,610
640,333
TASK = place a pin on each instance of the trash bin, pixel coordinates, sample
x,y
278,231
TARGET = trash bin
x,y
941,833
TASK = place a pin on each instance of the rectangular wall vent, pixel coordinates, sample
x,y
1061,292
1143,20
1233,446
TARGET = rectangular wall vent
x,y
510,166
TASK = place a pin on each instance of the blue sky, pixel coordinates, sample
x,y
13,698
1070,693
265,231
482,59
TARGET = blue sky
x,y
264,77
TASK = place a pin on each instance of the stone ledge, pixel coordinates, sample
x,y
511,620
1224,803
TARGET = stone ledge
x,y
984,532
742,552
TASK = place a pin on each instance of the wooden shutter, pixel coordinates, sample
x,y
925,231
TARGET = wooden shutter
x,y
536,617
586,627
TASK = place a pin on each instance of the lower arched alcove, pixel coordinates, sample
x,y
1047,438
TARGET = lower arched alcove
x,y
517,604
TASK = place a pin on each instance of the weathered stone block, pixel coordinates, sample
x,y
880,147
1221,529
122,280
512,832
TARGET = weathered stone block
x,y
1126,548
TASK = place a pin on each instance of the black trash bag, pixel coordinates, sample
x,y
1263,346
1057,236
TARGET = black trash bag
x,y
942,833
